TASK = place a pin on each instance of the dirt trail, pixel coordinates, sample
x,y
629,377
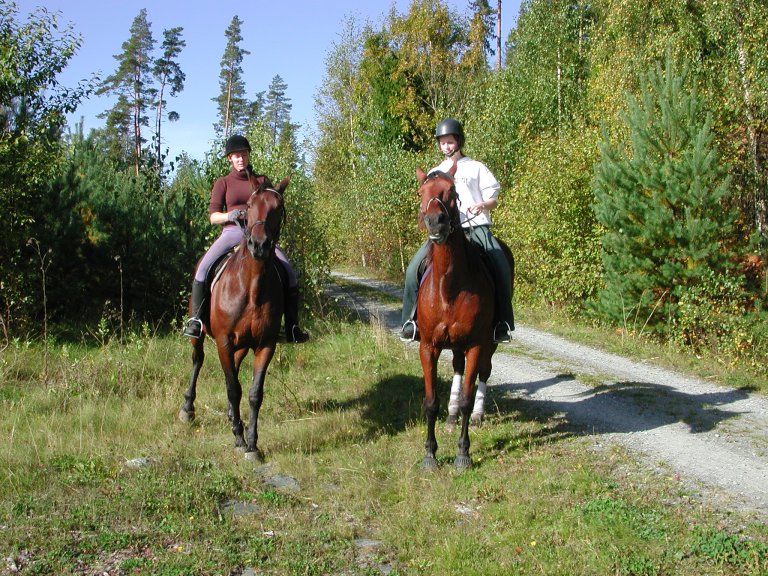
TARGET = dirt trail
x,y
713,437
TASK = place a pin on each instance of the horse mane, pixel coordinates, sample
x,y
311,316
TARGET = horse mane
x,y
438,174
262,180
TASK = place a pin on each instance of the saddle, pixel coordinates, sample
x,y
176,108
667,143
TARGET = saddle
x,y
425,266
475,252
220,264
217,269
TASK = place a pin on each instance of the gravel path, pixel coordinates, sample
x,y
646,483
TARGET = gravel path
x,y
713,437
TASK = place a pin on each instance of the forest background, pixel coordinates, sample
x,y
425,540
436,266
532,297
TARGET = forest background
x,y
630,140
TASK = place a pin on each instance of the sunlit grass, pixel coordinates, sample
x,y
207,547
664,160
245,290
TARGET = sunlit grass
x,y
342,418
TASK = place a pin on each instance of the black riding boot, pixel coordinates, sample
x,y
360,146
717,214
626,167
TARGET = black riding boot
x,y
292,331
194,327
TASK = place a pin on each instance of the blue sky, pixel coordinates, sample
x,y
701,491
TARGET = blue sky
x,y
291,38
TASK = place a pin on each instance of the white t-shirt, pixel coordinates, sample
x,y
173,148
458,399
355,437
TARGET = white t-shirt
x,y
474,184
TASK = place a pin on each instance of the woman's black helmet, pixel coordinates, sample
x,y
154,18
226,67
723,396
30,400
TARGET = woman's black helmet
x,y
236,143
451,126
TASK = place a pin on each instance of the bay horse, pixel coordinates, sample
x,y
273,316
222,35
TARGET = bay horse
x,y
455,308
246,307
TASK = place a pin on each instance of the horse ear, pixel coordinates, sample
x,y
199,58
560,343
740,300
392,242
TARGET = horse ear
x,y
283,184
452,171
420,175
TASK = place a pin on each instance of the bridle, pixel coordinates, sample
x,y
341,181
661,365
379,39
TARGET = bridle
x,y
453,219
248,226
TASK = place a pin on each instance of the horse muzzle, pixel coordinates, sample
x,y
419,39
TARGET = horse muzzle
x,y
438,228
261,248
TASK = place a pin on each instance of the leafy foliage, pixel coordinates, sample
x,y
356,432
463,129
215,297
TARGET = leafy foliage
x,y
32,113
569,65
548,221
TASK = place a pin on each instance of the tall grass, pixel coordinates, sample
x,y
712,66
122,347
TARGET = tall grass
x,y
99,476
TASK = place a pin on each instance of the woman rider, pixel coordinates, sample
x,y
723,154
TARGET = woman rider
x,y
229,197
478,192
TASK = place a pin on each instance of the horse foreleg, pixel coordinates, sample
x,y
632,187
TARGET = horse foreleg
x,y
463,459
187,412
238,358
234,391
429,357
261,360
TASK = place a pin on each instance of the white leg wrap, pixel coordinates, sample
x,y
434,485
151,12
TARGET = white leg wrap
x,y
479,408
453,401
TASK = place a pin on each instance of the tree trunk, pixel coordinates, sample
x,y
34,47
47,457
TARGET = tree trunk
x,y
498,37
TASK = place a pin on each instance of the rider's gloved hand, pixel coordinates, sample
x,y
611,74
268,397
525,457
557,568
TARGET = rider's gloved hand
x,y
235,215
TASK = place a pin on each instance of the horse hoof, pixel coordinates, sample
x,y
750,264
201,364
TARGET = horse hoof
x,y
255,456
476,419
462,463
185,416
429,463
450,422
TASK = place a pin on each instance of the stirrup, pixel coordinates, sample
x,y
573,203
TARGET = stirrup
x,y
409,332
296,335
194,328
502,333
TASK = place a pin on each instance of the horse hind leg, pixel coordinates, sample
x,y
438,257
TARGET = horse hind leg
x,y
463,460
478,410
453,399
453,403
187,411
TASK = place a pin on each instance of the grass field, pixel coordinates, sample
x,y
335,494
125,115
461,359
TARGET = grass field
x,y
100,477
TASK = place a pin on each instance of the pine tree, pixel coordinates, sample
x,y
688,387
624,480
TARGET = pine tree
x,y
660,199
132,83
232,103
277,109
169,75
480,38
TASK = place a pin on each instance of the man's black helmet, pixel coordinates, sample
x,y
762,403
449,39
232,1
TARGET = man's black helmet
x,y
236,143
451,126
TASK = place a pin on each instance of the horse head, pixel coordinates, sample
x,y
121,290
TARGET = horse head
x,y
439,212
265,214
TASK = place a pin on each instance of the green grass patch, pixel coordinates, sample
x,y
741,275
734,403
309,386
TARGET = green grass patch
x,y
747,373
342,419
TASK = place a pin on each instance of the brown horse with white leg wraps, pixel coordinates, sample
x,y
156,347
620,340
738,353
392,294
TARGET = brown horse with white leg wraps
x,y
455,308
246,310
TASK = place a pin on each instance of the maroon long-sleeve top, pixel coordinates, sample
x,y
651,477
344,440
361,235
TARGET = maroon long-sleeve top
x,y
231,192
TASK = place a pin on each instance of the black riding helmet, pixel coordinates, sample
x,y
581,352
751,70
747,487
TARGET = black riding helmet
x,y
236,143
451,126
